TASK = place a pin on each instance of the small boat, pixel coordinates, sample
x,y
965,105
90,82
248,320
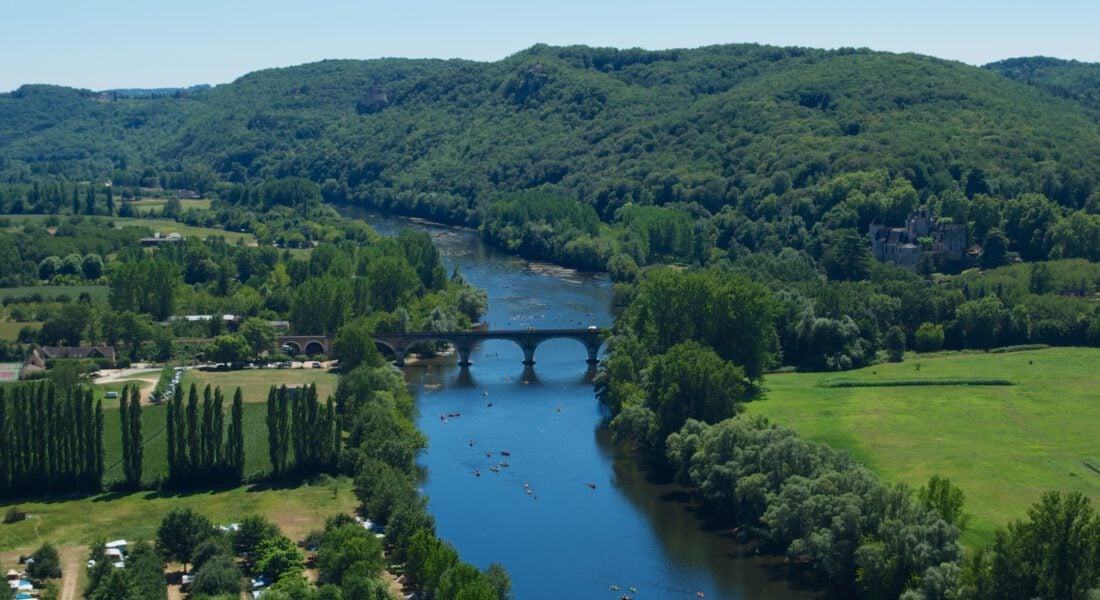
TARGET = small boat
x,y
494,468
471,442
477,473
488,454
591,484
700,595
614,588
505,453
633,590
504,464
529,492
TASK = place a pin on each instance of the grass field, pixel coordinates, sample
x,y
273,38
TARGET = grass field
x,y
50,292
135,516
9,330
166,226
255,383
1003,445
148,205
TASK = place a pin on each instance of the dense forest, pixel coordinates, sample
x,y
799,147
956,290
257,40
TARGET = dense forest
x,y
759,129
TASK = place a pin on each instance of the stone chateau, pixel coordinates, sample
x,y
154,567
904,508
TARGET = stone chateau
x,y
902,245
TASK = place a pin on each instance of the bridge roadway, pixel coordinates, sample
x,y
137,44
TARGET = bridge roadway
x,y
464,341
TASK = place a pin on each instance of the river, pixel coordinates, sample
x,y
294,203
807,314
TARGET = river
x,y
558,535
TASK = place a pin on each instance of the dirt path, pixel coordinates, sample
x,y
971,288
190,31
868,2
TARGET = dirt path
x,y
72,565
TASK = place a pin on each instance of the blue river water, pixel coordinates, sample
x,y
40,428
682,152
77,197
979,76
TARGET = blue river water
x,y
570,515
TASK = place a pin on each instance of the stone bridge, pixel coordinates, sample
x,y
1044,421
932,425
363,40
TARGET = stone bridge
x,y
464,341
309,345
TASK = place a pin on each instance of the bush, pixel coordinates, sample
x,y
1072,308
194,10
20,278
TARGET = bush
x,y
14,515
1019,348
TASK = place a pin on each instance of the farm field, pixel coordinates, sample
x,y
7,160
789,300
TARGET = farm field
x,y
166,226
9,330
50,292
255,383
149,205
1003,445
136,515
155,457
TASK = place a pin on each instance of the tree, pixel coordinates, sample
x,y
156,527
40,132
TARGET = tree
x,y
46,565
277,556
180,532
499,580
252,531
259,334
945,498
847,256
217,576
354,345
91,266
691,381
392,280
229,348
929,337
346,547
235,444
67,327
894,342
994,249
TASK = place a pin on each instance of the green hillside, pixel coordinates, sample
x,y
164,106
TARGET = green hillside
x,y
761,129
1065,78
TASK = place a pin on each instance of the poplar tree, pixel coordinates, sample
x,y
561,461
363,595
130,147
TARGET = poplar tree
x,y
206,435
235,451
137,442
170,431
124,428
194,441
219,430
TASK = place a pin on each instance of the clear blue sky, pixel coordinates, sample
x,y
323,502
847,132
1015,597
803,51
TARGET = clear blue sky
x,y
101,44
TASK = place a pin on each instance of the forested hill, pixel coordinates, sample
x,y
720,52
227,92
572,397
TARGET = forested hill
x,y
763,129
1066,78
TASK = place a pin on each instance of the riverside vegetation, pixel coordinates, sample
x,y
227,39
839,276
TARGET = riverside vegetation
x,y
758,169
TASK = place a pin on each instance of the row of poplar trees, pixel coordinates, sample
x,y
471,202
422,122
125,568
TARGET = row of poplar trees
x,y
133,448
313,433
51,440
200,451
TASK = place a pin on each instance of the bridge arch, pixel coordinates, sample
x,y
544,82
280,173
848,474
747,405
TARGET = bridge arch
x,y
292,348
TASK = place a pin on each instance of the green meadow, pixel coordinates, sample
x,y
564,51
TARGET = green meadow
x,y
136,515
1004,445
255,383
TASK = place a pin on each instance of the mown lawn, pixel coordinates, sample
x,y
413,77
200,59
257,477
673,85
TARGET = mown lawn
x,y
1003,445
255,383
136,515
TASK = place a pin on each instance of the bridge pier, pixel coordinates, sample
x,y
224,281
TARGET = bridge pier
x,y
593,353
399,357
528,355
463,356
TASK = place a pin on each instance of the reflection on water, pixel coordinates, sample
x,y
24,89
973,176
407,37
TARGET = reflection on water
x,y
520,473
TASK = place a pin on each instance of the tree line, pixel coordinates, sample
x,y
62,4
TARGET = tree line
x,y
53,440
296,420
200,450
